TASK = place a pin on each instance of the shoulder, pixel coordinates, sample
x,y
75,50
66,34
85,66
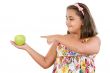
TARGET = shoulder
x,y
95,39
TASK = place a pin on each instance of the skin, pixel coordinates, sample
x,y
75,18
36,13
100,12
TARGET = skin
x,y
71,40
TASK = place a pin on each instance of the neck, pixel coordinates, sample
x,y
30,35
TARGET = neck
x,y
76,34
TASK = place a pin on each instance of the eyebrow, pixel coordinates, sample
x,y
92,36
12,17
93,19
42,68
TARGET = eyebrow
x,y
70,16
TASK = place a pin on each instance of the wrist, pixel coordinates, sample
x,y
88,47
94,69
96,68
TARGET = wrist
x,y
27,48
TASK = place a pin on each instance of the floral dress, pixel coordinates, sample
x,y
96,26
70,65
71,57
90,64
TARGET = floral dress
x,y
68,61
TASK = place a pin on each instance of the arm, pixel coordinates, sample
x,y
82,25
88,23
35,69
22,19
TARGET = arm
x,y
44,62
91,47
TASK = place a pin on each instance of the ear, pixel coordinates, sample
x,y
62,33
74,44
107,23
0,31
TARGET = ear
x,y
82,24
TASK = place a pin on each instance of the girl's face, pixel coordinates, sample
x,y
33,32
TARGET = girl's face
x,y
73,21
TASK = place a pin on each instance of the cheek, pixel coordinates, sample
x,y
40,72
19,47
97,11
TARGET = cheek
x,y
76,26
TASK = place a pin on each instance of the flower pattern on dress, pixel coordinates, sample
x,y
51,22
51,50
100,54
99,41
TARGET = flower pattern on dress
x,y
68,61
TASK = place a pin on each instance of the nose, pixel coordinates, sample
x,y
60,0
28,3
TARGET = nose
x,y
67,22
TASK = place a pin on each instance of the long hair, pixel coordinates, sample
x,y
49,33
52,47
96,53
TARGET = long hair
x,y
88,29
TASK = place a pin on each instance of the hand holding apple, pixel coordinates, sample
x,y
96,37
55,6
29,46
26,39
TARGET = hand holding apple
x,y
19,42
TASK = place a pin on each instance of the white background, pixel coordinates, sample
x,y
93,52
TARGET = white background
x,y
34,18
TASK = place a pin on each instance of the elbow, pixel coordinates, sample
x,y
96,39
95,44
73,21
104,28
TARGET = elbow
x,y
97,51
45,66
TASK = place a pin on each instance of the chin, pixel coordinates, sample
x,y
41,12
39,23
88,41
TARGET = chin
x,y
70,30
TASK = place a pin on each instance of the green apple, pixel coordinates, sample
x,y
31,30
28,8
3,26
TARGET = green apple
x,y
20,40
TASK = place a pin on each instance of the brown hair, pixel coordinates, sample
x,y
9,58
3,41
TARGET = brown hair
x,y
89,28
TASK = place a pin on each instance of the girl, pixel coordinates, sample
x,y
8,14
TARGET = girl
x,y
75,51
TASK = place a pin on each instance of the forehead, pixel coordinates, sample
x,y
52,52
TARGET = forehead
x,y
71,13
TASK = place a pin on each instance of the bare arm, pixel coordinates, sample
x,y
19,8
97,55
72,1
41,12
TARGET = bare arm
x,y
44,62
91,47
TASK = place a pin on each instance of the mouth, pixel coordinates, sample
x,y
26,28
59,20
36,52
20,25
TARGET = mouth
x,y
69,26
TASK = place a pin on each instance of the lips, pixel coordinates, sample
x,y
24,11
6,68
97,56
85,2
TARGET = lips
x,y
69,26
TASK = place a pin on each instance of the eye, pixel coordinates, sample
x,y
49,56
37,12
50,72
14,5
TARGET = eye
x,y
71,19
